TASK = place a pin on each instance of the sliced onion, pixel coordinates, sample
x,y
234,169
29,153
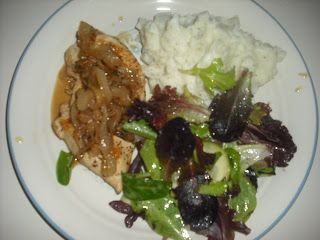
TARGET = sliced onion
x,y
85,118
111,61
91,130
103,83
99,96
71,143
74,114
79,138
114,118
122,95
84,98
108,164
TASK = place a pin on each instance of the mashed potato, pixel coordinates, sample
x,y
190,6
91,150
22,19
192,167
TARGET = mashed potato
x,y
171,42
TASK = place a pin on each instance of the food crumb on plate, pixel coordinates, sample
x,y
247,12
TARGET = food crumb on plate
x,y
298,89
19,139
121,18
304,75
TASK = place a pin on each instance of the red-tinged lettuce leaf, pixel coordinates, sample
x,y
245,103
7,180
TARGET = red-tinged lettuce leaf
x,y
125,208
147,111
275,135
175,145
204,159
224,227
260,110
174,105
231,110
166,104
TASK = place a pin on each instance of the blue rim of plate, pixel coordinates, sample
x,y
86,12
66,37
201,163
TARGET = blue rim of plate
x,y
54,225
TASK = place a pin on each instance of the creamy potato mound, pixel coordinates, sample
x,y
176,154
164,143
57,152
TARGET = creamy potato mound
x,y
171,42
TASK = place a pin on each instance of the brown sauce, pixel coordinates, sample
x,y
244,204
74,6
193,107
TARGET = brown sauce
x,y
59,95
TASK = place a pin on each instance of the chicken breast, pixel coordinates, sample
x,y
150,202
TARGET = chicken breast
x,y
105,79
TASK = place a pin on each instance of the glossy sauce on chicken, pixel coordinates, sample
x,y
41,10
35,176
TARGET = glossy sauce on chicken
x,y
60,94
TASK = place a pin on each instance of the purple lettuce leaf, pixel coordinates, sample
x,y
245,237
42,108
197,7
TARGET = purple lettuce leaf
x,y
230,111
166,104
274,134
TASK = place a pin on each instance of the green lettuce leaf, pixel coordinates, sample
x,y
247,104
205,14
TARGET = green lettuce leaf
x,y
63,168
245,202
260,110
200,130
213,77
136,188
163,216
262,168
234,159
216,189
250,153
140,128
150,159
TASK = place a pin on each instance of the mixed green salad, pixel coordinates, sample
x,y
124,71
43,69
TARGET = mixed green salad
x,y
197,166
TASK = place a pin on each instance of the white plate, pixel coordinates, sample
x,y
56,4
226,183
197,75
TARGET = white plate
x,y
81,210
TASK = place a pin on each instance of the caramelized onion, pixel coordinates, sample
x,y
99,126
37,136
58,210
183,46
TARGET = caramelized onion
x,y
103,83
99,96
97,115
109,113
79,137
91,129
122,96
71,143
85,118
108,164
84,98
74,114
113,120
111,60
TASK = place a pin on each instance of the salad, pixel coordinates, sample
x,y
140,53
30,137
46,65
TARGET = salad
x,y
198,167
199,158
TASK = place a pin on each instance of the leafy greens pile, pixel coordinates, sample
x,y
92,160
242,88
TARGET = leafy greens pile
x,y
198,166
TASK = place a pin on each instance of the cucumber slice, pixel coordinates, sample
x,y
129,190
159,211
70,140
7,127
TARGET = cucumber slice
x,y
221,168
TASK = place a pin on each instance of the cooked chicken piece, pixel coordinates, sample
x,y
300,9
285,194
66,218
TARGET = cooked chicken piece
x,y
71,56
114,56
106,79
64,129
124,151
